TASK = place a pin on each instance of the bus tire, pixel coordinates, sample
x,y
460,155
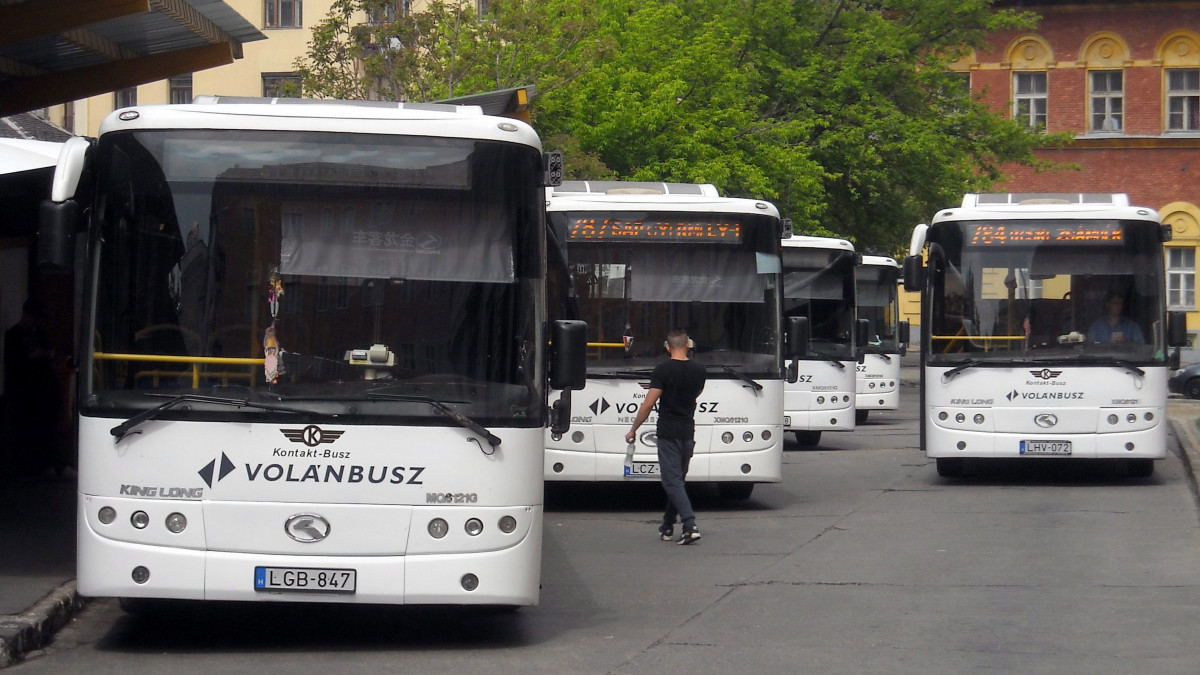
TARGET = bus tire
x,y
1139,468
807,439
735,490
860,416
950,467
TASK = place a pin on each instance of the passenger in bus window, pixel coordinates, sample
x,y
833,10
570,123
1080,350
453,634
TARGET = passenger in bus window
x,y
1114,326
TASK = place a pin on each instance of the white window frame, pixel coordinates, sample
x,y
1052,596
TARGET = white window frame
x,y
1181,278
1107,105
1183,100
1031,105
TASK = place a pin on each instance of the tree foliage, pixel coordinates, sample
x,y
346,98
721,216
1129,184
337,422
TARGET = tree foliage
x,y
843,112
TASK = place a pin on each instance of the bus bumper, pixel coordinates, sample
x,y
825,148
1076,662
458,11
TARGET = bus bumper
x,y
838,419
509,576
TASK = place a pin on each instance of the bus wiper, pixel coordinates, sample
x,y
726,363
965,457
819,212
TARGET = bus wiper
x,y
739,374
445,410
1104,360
829,357
949,374
125,428
631,373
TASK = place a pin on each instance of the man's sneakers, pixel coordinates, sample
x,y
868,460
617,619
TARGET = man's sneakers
x,y
691,534
666,532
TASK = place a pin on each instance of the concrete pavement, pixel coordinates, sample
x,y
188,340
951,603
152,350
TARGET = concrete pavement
x,y
37,541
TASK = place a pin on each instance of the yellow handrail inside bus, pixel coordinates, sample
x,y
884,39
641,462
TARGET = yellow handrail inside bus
x,y
977,337
606,344
195,361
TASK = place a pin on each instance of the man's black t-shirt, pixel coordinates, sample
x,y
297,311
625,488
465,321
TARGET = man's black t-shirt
x,y
681,382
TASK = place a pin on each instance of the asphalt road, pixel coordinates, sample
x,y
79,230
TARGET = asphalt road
x,y
862,561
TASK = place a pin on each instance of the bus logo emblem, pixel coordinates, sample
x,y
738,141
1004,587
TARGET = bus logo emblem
x,y
311,435
307,528
1045,420
1045,374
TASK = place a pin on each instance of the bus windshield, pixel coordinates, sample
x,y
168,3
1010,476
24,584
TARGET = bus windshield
x,y
346,275
876,288
632,289
1046,291
819,284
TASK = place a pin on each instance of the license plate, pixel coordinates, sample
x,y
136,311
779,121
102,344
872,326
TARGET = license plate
x,y
642,470
1045,447
307,579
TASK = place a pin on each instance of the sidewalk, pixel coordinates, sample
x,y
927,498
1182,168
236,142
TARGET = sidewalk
x,y
37,542
37,563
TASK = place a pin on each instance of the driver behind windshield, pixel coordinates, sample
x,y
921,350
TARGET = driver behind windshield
x,y
1114,326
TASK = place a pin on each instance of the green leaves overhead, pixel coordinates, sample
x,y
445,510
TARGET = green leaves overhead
x,y
842,112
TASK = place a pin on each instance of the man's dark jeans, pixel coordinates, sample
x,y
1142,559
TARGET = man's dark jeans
x,y
674,456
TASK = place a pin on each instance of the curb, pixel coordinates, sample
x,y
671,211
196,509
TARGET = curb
x,y
33,629
1183,422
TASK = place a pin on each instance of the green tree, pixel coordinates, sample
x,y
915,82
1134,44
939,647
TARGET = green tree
x,y
843,112
367,49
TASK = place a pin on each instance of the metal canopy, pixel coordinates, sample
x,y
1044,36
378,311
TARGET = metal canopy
x,y
54,51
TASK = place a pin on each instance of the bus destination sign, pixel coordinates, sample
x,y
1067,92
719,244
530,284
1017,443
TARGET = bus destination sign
x,y
1018,234
664,230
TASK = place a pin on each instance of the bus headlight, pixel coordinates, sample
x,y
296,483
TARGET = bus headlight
x,y
960,418
140,575
748,436
438,528
508,524
727,437
176,523
474,526
766,435
1112,419
978,418
140,519
106,515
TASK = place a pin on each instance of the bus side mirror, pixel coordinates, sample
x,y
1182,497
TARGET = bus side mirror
x,y
862,335
914,273
1176,329
902,332
57,224
554,167
568,368
796,336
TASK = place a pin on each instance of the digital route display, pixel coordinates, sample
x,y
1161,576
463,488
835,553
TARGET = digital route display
x,y
1019,234
661,230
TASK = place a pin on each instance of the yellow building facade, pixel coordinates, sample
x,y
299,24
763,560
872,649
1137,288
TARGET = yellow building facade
x,y
264,65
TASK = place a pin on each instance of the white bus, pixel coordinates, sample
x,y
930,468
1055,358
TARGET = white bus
x,y
818,286
314,357
649,257
878,382
1022,353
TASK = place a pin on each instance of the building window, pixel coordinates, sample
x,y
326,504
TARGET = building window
x,y
389,11
1029,100
1108,100
1183,99
181,88
281,85
1181,278
283,14
125,98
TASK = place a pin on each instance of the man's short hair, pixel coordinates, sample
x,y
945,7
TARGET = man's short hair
x,y
677,339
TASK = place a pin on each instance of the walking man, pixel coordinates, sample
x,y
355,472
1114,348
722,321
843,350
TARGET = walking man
x,y
674,386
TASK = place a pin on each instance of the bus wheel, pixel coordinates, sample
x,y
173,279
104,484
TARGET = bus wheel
x,y
735,490
860,416
808,439
950,467
1139,468
1192,388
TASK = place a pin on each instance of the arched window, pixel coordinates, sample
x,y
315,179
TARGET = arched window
x,y
1030,57
1179,53
1105,55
